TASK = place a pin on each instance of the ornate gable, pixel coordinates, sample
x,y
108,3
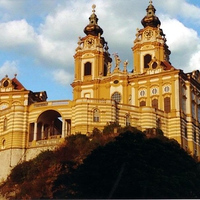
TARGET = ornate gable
x,y
8,84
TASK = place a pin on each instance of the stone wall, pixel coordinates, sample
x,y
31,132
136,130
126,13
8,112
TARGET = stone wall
x,y
9,158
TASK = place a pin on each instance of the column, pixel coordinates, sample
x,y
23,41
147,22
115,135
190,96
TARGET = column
x,y
42,132
35,131
63,128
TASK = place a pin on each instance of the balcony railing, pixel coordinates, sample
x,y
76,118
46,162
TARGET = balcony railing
x,y
47,142
51,103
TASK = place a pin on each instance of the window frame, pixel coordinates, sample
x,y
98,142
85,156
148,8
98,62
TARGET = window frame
x,y
96,115
88,69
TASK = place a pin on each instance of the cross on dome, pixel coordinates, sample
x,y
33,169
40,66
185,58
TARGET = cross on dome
x,y
151,19
93,8
93,28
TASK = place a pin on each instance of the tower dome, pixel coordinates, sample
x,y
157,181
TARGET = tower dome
x,y
93,28
151,19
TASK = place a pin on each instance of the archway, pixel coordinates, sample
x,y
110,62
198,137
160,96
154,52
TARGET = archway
x,y
49,125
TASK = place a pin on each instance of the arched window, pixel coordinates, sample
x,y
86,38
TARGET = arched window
x,y
116,96
155,103
5,124
128,120
142,103
87,69
3,144
167,106
96,115
147,59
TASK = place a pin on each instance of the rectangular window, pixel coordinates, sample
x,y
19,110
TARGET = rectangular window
x,y
167,106
184,104
199,113
195,136
186,135
199,139
142,103
96,115
155,103
193,110
5,124
128,120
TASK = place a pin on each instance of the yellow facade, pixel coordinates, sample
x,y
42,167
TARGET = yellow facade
x,y
153,95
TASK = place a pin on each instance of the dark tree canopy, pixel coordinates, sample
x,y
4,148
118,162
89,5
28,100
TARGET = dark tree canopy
x,y
106,165
136,167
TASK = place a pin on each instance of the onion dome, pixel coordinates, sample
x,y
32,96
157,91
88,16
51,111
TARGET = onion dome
x,y
151,19
93,28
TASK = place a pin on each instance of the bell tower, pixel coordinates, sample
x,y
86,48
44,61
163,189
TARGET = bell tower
x,y
91,59
150,48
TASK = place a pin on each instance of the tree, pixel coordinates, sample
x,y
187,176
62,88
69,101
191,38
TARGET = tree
x,y
134,166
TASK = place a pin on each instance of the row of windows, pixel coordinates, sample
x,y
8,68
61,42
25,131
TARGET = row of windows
x,y
154,103
195,111
167,104
88,69
194,134
96,117
154,91
147,60
194,107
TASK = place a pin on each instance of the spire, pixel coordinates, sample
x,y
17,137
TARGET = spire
x,y
151,19
92,28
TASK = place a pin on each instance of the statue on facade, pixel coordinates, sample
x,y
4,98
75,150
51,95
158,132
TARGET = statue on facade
x,y
125,65
79,43
109,67
117,61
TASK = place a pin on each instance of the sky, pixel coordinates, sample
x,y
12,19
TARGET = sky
x,y
38,38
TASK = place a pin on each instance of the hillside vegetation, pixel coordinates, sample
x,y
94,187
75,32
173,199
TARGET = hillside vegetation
x,y
104,165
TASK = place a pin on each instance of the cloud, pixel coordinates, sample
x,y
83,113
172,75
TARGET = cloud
x,y
194,62
178,35
182,41
21,38
12,10
48,32
62,77
16,33
180,8
9,68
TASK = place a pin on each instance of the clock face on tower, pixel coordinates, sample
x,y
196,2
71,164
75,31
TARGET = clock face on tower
x,y
89,42
148,34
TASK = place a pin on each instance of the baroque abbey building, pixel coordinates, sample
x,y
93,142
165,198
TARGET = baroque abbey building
x,y
153,95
